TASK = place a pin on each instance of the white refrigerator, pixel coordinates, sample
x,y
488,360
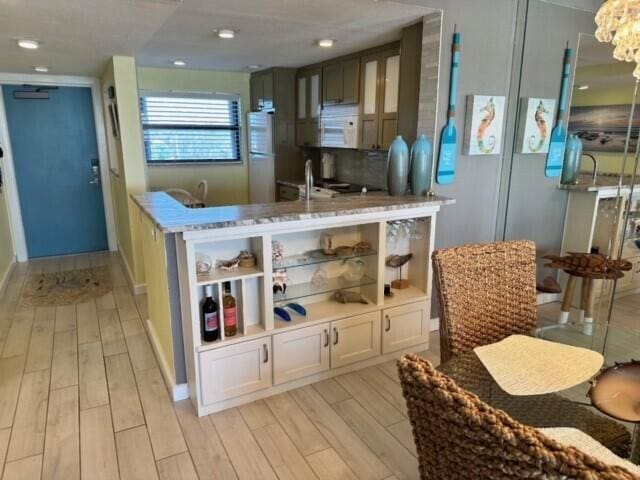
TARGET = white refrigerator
x,y
262,179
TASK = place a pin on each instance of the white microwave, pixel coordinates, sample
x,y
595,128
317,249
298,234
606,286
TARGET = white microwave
x,y
340,126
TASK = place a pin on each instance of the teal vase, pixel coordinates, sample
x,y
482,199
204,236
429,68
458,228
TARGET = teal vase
x,y
421,165
572,160
398,167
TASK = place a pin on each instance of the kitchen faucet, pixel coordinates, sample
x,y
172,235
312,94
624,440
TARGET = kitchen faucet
x,y
595,166
308,180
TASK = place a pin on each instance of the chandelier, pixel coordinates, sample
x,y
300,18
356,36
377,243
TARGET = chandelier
x,y
619,24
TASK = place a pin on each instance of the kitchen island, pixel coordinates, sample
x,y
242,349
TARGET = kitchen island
x,y
315,249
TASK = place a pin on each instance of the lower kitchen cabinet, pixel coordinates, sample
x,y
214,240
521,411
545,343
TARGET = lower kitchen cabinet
x,y
355,339
235,370
404,326
300,353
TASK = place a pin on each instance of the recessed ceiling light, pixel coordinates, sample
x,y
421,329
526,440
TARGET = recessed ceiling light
x,y
28,44
583,87
254,67
325,43
179,63
226,33
41,69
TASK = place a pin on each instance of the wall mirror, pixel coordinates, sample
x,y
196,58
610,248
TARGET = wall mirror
x,y
603,204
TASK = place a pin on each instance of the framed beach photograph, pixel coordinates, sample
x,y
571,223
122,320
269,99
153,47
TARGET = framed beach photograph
x,y
603,128
483,124
537,116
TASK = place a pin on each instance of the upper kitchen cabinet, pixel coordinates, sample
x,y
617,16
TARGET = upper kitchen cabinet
x,y
379,108
261,84
341,82
308,105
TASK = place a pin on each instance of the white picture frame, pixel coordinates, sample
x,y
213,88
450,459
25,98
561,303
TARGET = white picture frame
x,y
537,117
484,123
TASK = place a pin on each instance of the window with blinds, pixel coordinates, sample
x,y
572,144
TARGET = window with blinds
x,y
190,129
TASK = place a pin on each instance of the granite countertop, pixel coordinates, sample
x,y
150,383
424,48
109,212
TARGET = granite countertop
x,y
170,216
291,182
604,181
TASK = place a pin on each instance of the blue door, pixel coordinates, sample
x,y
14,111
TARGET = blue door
x,y
55,157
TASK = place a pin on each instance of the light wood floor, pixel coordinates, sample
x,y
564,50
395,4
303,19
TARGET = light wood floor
x,y
81,396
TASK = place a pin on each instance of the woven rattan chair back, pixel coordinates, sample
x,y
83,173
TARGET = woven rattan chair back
x,y
486,292
460,437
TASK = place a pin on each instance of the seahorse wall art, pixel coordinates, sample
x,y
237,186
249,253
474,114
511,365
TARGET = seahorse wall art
x,y
536,118
483,128
536,141
490,114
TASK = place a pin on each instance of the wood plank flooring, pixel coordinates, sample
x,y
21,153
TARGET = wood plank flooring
x,y
82,398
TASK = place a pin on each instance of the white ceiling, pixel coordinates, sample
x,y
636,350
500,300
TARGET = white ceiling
x,y
79,36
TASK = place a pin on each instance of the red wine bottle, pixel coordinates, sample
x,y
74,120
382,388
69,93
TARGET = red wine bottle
x,y
210,324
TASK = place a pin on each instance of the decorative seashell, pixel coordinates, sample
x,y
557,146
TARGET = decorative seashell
x,y
228,265
344,296
362,246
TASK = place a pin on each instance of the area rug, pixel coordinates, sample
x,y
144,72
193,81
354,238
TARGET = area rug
x,y
65,288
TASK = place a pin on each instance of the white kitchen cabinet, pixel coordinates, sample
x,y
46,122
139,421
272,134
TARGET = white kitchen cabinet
x,y
300,353
355,339
235,370
404,327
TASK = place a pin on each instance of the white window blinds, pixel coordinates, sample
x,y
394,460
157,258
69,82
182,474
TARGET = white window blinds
x,y
190,129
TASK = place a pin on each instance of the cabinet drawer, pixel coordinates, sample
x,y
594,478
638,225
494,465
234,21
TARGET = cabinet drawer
x,y
235,370
300,353
404,326
355,339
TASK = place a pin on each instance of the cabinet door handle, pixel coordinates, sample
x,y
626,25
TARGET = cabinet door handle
x,y
266,353
326,338
337,336
388,327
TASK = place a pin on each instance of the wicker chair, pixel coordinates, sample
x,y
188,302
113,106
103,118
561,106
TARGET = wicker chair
x,y
486,292
458,436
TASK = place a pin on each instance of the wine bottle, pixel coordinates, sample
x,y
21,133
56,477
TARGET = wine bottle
x,y
230,312
210,324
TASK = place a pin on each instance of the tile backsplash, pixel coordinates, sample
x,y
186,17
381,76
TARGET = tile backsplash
x,y
362,167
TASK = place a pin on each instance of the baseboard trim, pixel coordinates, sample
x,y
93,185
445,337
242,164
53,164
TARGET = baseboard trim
x,y
178,391
435,324
5,277
137,289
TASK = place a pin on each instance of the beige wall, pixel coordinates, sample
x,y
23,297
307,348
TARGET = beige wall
x,y
7,253
127,153
228,184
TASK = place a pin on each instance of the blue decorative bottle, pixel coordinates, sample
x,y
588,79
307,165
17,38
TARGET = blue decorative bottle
x,y
421,165
398,167
572,160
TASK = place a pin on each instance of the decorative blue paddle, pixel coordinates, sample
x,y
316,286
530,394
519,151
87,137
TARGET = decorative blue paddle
x,y
446,171
558,139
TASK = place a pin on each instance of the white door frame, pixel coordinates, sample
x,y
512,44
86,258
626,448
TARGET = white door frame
x,y
11,185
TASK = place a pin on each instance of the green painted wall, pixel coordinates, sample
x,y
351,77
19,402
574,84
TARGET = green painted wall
x,y
127,152
228,184
615,95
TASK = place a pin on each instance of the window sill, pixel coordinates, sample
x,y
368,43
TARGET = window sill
x,y
193,164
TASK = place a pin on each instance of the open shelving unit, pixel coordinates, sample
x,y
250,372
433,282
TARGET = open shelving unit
x,y
261,357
